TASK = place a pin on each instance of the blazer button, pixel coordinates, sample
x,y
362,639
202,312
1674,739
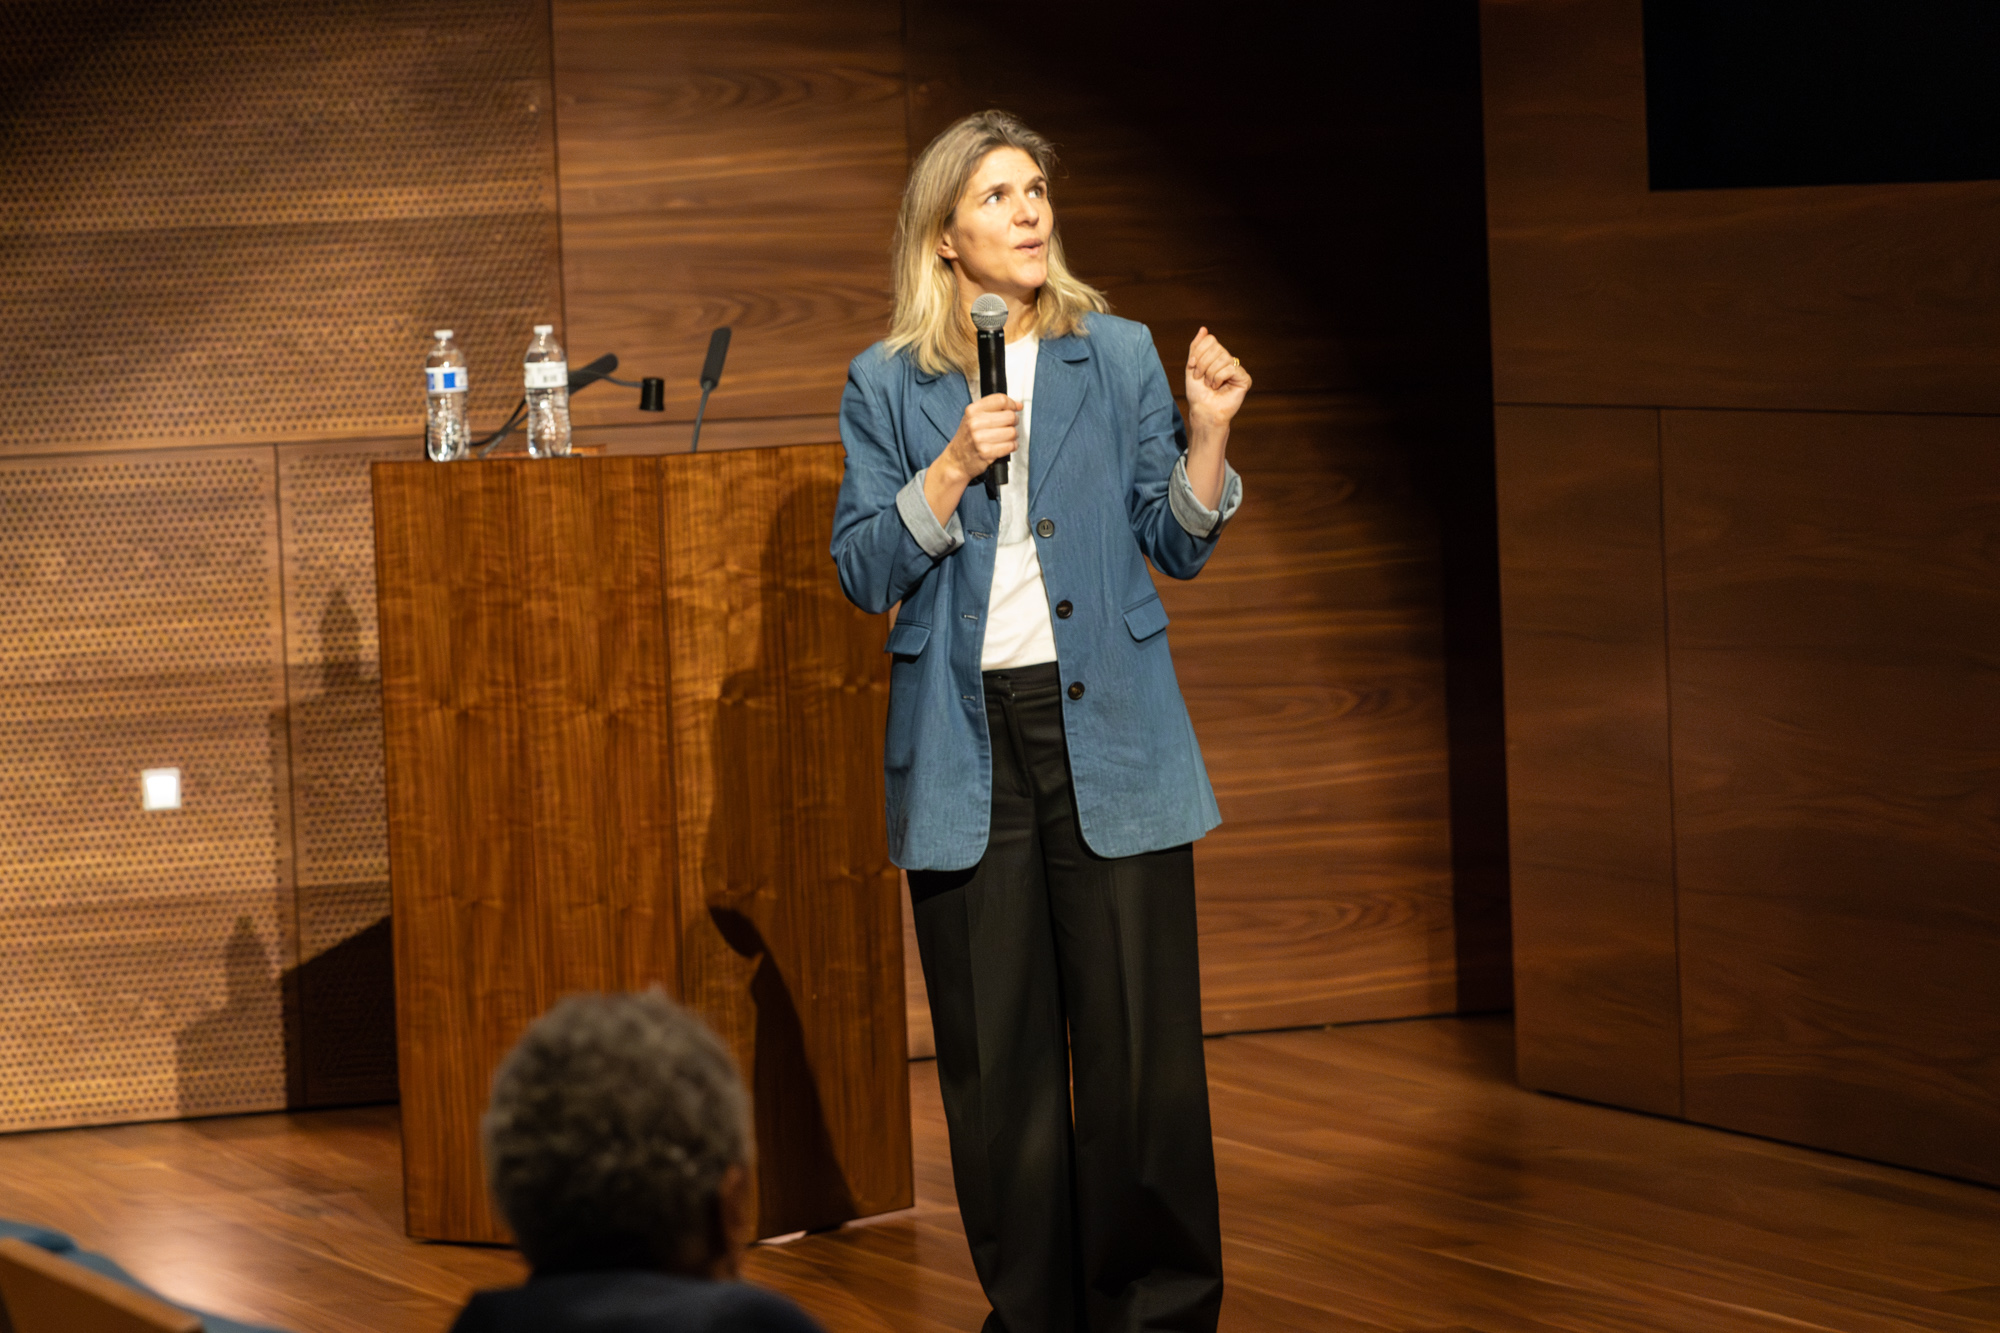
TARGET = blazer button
x,y
1046,527
1076,690
1063,610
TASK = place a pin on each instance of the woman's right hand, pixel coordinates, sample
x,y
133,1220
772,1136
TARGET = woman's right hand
x,y
985,433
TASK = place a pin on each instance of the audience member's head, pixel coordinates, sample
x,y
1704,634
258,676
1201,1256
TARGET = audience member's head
x,y
618,1137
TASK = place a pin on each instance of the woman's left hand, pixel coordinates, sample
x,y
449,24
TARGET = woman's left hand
x,y
1216,381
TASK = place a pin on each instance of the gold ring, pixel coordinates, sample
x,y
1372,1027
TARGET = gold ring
x,y
1235,360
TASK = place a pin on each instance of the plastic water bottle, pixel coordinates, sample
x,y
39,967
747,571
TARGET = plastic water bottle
x,y
447,436
546,376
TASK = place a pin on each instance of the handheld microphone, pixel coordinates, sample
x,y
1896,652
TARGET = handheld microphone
x,y
989,317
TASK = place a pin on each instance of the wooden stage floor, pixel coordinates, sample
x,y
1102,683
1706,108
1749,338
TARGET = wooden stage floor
x,y
1383,1176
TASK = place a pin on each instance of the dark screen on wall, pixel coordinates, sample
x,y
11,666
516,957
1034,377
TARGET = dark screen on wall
x,y
1821,92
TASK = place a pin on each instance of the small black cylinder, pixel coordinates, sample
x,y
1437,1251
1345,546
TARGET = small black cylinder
x,y
652,394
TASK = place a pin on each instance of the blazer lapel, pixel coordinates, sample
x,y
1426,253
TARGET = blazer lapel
x,y
944,399
1062,382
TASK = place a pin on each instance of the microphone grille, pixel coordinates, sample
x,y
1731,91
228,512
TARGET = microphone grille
x,y
989,314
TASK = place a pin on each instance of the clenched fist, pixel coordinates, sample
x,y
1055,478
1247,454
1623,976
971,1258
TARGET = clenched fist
x,y
1216,381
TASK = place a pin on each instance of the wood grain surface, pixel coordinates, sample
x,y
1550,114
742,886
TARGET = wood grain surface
x,y
240,224
916,995
620,439
41,1292
1867,297
727,165
1834,590
622,707
1309,653
741,165
1304,182
530,829
789,922
1596,990
344,982
225,223
1373,1178
1830,676
143,952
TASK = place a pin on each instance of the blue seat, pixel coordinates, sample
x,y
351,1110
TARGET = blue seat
x,y
55,1242
40,1237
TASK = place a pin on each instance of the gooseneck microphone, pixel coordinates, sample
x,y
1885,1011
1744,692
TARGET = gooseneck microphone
x,y
989,317
599,369
711,375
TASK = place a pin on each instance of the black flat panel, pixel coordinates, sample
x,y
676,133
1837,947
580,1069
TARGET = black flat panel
x,y
1821,92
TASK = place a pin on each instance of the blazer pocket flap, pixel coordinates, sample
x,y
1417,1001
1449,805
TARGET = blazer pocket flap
x,y
907,639
1146,619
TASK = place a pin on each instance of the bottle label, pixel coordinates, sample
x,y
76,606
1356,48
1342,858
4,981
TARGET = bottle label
x,y
444,379
547,374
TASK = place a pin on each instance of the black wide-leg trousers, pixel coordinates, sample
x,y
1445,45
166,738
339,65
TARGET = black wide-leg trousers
x,y
1053,971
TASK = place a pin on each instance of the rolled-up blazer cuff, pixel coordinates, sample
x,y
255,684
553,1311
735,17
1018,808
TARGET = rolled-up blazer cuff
x,y
1192,514
937,539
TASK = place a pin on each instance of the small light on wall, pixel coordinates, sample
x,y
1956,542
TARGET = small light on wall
x,y
160,788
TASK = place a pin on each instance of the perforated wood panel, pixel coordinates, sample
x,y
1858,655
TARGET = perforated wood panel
x,y
141,952
231,220
346,987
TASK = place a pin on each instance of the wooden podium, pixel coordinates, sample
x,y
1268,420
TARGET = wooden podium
x,y
633,734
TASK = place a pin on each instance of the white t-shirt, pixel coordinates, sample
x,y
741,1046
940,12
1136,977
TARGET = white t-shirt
x,y
1018,630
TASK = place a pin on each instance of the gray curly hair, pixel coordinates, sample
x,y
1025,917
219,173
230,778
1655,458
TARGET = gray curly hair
x,y
612,1123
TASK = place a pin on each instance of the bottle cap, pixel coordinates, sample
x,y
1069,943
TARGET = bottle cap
x,y
545,328
442,335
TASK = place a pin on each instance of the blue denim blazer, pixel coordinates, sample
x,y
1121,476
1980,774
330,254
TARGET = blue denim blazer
x,y
1107,493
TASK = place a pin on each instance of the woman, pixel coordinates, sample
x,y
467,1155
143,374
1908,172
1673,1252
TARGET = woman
x,y
1044,785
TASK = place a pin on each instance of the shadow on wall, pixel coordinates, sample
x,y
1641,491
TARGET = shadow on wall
x,y
343,992
346,1053
215,1055
1310,181
799,1180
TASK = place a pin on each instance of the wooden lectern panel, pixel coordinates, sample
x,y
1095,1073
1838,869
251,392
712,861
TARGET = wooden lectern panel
x,y
791,912
617,760
524,718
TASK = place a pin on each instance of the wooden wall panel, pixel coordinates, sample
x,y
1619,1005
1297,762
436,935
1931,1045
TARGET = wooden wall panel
x,y
1317,202
238,222
141,952
1321,212
224,219
916,996
1596,990
727,165
343,987
790,929
1309,652
525,713
1835,597
232,222
1830,676
1876,298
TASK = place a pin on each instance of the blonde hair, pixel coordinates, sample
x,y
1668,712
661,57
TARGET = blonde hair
x,y
928,320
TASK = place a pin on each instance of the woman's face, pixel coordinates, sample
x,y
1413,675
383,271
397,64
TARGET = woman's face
x,y
998,239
